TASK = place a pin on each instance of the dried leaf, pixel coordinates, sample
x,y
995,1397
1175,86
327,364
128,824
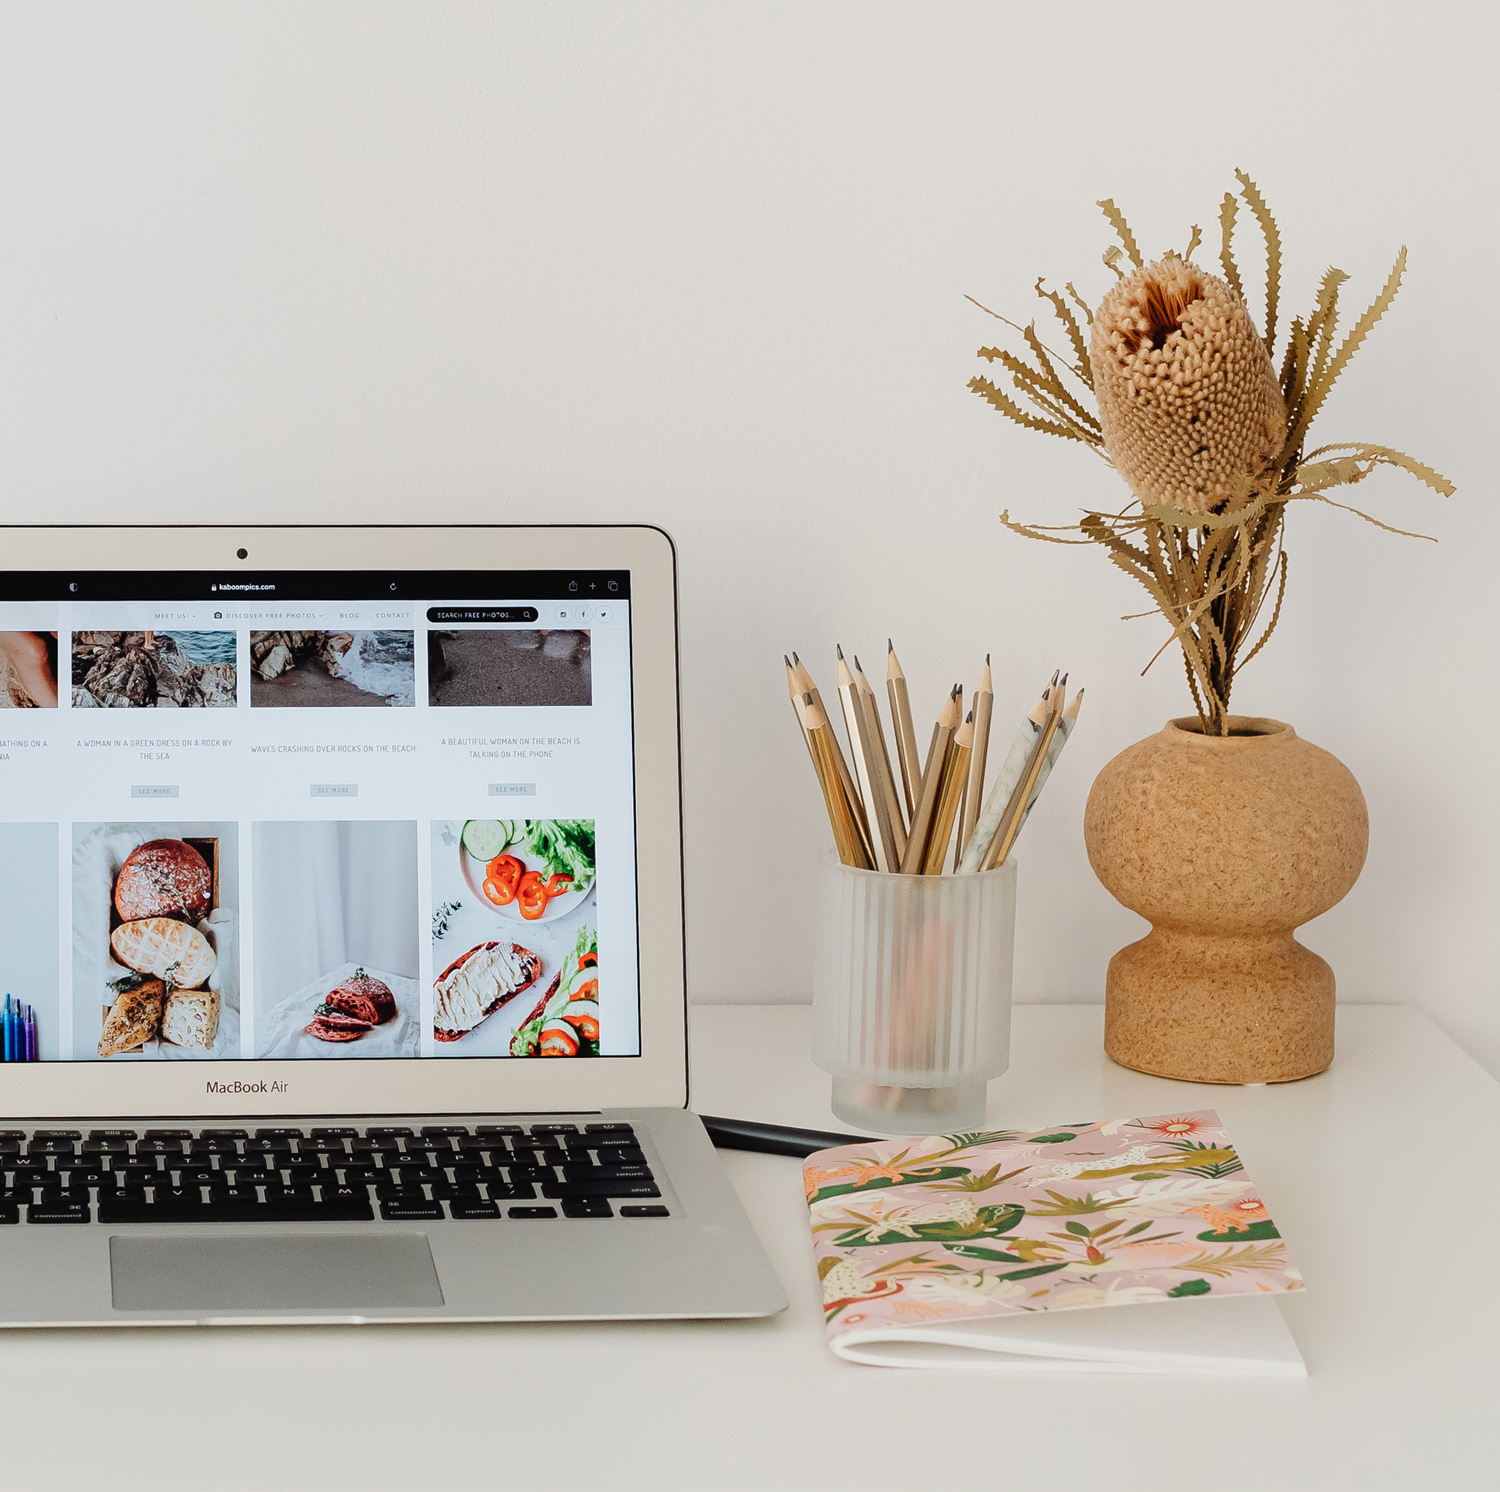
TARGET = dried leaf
x,y
999,399
1387,457
1079,301
1122,229
1084,369
1351,344
1193,243
1273,252
1228,210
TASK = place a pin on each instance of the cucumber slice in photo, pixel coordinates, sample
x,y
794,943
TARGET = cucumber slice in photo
x,y
485,838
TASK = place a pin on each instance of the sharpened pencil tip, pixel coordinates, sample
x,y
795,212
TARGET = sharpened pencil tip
x,y
837,649
986,660
796,661
890,647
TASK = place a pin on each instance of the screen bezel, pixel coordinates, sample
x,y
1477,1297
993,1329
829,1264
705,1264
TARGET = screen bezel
x,y
458,1085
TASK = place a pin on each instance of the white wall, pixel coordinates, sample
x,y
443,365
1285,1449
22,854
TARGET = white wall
x,y
703,265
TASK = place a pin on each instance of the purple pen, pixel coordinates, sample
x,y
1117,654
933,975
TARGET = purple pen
x,y
30,1034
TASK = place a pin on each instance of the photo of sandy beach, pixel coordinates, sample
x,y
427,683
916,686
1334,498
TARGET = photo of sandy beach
x,y
517,666
332,670
154,670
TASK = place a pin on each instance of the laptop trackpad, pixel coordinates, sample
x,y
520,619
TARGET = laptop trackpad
x,y
273,1272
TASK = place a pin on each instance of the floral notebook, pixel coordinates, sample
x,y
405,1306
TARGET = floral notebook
x,y
986,1250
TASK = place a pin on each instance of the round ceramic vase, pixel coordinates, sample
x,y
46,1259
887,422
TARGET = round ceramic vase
x,y
1226,845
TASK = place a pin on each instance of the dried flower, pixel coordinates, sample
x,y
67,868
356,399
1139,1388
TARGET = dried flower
x,y
1187,397
1210,439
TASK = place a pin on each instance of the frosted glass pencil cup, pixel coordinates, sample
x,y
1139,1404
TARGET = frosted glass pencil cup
x,y
911,994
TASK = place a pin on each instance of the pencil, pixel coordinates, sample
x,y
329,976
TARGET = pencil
x,y
1015,811
886,778
794,693
932,774
906,736
955,778
841,769
984,710
1011,771
862,749
1064,730
845,836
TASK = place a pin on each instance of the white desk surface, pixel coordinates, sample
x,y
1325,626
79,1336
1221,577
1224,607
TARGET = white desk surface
x,y
1382,1173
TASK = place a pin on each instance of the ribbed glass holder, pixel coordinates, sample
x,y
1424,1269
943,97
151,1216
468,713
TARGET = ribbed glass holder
x,y
911,994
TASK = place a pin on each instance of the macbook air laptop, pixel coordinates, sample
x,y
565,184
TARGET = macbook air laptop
x,y
341,933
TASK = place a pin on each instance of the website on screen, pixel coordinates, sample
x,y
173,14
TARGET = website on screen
x,y
316,816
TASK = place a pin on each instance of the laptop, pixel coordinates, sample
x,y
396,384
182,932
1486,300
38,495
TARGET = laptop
x,y
341,933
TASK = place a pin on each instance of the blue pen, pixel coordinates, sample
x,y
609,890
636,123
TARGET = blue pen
x,y
9,1039
30,1034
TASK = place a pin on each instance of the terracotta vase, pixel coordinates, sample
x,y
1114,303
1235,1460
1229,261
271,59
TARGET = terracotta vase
x,y
1226,845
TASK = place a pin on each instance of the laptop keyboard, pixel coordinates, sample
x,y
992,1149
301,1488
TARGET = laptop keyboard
x,y
333,1175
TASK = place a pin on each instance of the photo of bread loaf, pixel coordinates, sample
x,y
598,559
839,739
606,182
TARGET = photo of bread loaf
x,y
155,968
133,1019
164,878
175,953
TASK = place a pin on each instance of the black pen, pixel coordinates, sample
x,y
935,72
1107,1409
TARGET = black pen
x,y
775,1139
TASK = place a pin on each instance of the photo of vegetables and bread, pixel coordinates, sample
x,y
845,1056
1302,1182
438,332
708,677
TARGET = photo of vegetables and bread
x,y
515,913
153,933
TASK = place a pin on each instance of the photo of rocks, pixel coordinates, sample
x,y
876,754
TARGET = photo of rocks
x,y
332,669
154,670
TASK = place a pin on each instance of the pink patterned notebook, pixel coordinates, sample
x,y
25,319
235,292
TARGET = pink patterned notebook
x,y
987,1250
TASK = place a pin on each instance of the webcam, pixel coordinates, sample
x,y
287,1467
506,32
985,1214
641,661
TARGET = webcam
x,y
242,553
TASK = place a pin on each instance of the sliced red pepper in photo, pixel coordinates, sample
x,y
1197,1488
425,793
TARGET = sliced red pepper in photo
x,y
501,878
558,1040
531,895
560,882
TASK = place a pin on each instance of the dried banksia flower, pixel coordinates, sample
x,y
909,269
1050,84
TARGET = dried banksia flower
x,y
1211,441
1187,396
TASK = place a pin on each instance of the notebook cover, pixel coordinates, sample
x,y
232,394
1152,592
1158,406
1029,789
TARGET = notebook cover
x,y
910,1233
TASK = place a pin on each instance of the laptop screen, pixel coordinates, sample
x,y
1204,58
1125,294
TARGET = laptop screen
x,y
324,817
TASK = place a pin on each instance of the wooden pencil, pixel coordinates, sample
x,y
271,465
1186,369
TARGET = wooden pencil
x,y
905,733
984,709
845,836
794,693
955,777
932,775
863,751
886,778
841,767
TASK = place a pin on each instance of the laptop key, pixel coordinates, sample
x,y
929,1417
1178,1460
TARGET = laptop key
x,y
50,1210
473,1207
9,1213
327,1133
500,1192
159,1146
586,1207
400,1211
224,1134
278,1134
616,1127
168,1134
54,1134
533,1212
639,1211
386,1132
600,1189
